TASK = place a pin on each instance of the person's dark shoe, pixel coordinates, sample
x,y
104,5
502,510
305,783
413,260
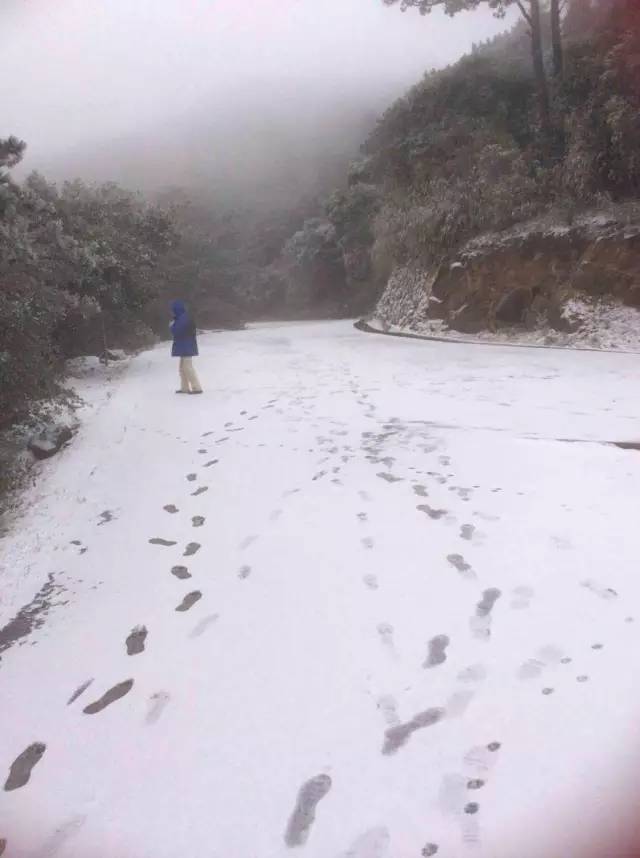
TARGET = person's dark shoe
x,y
194,392
182,391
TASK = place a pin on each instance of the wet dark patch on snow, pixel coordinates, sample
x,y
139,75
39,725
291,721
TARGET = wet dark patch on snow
x,y
135,640
191,549
22,766
31,616
432,513
197,520
79,690
158,541
180,572
171,508
200,491
304,812
437,651
396,737
109,697
460,564
189,600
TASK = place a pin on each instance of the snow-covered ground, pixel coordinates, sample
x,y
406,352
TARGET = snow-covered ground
x,y
411,626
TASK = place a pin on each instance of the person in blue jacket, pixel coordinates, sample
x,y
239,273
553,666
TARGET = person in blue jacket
x,y
185,346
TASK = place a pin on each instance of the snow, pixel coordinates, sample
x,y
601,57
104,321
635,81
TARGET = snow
x,y
603,324
370,498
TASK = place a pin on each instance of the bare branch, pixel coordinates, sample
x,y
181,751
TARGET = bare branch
x,y
525,14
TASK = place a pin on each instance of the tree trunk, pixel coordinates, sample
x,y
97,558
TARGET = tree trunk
x,y
538,66
556,39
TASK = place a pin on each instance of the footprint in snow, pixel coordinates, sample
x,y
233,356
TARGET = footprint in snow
x,y
480,623
189,600
192,477
389,708
429,850
22,766
602,592
191,549
135,640
545,657
480,759
171,508
362,516
109,697
158,541
435,514
79,690
275,515
420,490
106,516
61,835
372,844
304,812
521,597
460,564
390,478
473,673
437,651
397,736
212,462
197,520
157,704
367,542
467,531
371,582
180,572
200,491
244,572
247,541
201,627
385,630
458,703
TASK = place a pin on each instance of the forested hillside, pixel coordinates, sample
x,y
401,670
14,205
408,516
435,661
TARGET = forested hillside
x,y
465,152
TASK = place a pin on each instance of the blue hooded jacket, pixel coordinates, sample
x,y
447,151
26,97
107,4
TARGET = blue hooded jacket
x,y
183,329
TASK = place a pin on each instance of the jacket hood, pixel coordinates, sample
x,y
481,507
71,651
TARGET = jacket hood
x,y
178,308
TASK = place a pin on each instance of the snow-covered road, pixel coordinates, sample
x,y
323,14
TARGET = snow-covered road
x,y
363,598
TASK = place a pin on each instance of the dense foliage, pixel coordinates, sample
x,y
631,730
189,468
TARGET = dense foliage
x,y
77,267
463,152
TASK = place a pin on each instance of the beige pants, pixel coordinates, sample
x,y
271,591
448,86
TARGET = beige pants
x,y
188,377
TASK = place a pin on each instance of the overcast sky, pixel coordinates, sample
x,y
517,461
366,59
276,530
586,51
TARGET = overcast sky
x,y
76,71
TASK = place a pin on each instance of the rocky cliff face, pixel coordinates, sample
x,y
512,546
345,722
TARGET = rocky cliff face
x,y
525,277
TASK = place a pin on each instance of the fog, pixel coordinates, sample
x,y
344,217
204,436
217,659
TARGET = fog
x,y
261,96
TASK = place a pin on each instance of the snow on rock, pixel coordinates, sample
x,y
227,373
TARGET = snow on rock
x,y
411,627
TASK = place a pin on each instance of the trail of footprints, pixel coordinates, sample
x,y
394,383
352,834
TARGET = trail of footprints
x,y
456,789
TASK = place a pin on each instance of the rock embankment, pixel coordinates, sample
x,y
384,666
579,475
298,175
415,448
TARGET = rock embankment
x,y
530,277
